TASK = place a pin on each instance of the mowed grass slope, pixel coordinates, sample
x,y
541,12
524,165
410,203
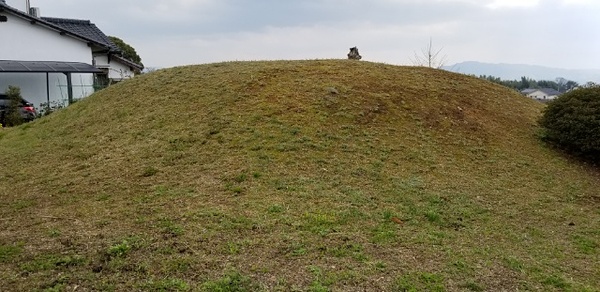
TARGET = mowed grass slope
x,y
295,175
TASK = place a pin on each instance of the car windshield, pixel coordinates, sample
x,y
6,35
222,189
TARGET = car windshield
x,y
4,100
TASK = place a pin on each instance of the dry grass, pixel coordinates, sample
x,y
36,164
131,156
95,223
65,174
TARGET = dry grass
x,y
295,175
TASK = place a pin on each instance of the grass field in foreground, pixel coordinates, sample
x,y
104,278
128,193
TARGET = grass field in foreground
x,y
326,175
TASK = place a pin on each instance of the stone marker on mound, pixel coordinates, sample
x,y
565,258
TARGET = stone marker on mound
x,y
354,55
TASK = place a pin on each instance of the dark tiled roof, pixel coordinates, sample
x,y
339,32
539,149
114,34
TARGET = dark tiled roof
x,y
528,91
91,31
85,28
550,91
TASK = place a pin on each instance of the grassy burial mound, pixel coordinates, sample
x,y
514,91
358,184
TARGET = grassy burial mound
x,y
295,175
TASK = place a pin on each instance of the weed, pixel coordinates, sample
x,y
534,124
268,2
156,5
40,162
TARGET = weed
x,y
169,284
69,261
232,282
170,228
9,252
103,197
162,191
387,215
473,286
54,232
275,209
298,249
419,282
179,265
348,250
149,171
102,223
233,248
413,185
384,233
295,131
22,204
240,178
433,216
556,281
58,284
460,265
282,185
319,222
318,284
381,266
237,189
514,264
50,262
120,249
585,244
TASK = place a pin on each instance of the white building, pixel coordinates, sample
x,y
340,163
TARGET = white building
x,y
541,94
55,60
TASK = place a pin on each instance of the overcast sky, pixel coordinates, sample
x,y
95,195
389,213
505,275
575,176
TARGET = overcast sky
x,y
166,33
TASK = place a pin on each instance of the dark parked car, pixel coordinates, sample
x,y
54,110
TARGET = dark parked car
x,y
26,109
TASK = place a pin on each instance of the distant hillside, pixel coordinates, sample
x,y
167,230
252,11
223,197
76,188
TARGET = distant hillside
x,y
320,175
515,71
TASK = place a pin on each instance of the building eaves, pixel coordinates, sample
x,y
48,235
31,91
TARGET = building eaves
x,y
63,31
10,66
85,28
128,62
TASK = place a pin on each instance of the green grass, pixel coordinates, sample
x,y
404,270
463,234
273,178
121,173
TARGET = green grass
x,y
9,252
246,176
233,281
419,282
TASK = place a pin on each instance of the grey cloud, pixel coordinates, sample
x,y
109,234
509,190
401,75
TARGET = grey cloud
x,y
225,16
565,35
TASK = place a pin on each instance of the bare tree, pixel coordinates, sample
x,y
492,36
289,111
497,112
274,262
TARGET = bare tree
x,y
429,57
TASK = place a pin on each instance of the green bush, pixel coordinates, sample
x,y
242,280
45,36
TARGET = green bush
x,y
12,117
572,122
47,108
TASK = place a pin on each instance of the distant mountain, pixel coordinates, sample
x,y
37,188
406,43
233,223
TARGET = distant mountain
x,y
516,71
